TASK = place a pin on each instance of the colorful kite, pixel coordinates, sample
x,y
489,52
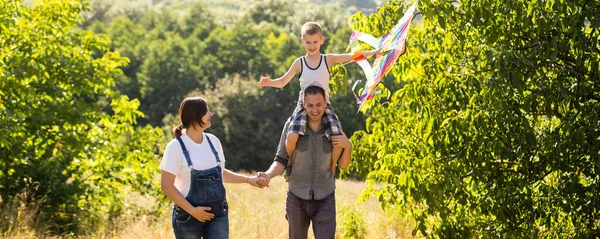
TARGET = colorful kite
x,y
393,44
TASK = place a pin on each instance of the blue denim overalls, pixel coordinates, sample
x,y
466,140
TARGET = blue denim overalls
x,y
207,190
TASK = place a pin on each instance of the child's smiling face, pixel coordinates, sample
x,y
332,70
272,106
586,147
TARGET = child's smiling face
x,y
312,43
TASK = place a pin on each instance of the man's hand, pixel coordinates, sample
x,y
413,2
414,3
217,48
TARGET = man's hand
x,y
341,141
263,179
264,81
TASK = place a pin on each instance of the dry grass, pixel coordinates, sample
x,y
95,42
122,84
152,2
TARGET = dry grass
x,y
259,213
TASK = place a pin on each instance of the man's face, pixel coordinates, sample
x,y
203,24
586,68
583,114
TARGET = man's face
x,y
314,104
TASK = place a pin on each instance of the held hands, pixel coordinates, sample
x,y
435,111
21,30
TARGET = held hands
x,y
254,182
201,214
260,180
264,81
263,179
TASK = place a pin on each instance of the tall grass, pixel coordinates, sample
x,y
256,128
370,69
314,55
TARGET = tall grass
x,y
254,213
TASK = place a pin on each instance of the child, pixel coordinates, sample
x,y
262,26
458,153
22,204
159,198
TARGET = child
x,y
314,70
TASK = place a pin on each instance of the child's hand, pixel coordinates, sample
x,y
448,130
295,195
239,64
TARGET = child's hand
x,y
341,141
264,81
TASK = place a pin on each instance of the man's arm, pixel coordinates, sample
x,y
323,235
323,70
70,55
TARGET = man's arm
x,y
333,59
343,142
275,169
282,81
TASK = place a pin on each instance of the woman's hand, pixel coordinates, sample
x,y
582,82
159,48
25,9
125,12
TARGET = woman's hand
x,y
254,182
201,214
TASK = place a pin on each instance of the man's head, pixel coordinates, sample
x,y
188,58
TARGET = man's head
x,y
314,103
312,37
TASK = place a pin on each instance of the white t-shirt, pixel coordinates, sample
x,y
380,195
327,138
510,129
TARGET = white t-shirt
x,y
202,157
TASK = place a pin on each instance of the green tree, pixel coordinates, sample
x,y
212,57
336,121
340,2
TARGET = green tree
x,y
128,39
289,16
361,4
497,130
242,49
57,145
165,75
160,24
273,11
198,21
106,10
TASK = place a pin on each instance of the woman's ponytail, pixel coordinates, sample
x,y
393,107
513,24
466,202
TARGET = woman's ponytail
x,y
177,130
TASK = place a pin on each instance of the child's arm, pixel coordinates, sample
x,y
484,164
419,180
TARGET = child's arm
x,y
333,59
282,81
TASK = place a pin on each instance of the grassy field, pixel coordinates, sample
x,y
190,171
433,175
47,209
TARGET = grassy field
x,y
259,213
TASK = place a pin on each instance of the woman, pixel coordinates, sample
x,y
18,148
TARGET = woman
x,y
193,172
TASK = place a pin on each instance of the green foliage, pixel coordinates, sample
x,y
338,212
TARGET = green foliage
x,y
84,162
496,132
289,16
361,4
198,21
276,12
165,74
352,223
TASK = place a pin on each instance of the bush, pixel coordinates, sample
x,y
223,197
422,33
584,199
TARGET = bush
x,y
352,224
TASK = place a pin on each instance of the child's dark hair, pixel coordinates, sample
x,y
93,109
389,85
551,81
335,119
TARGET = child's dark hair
x,y
311,28
313,90
191,110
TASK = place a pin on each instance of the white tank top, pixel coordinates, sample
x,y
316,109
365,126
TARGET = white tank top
x,y
314,76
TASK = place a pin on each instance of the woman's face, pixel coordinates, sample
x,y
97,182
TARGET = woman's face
x,y
206,118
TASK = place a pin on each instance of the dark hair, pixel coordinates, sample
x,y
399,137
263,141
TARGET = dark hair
x,y
191,110
313,90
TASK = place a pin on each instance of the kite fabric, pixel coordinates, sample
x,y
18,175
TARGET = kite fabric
x,y
393,44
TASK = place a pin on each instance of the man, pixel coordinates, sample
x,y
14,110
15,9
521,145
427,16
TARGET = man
x,y
311,184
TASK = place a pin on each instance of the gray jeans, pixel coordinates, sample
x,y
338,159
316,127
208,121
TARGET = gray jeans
x,y
300,213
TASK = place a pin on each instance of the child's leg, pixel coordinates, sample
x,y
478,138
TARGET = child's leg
x,y
297,125
296,128
336,152
335,128
290,144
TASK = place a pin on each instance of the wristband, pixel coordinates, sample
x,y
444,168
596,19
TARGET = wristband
x,y
247,178
357,55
